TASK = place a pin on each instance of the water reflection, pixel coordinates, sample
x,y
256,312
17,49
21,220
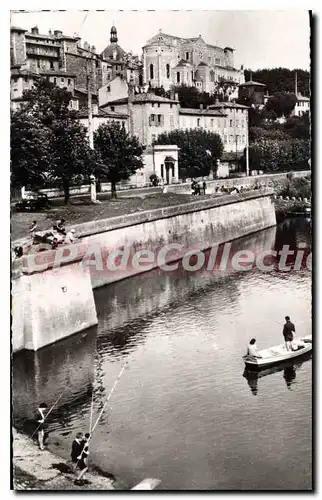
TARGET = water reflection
x,y
288,368
63,372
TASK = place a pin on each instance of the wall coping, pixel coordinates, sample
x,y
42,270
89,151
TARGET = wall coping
x,y
110,224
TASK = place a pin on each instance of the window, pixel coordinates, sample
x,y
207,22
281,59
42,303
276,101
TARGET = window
x,y
51,65
201,56
108,88
225,139
167,69
212,123
152,120
158,104
192,75
153,137
171,121
230,123
151,72
26,79
231,138
198,122
62,80
159,120
187,56
217,60
69,81
55,80
152,104
171,106
178,77
38,64
112,108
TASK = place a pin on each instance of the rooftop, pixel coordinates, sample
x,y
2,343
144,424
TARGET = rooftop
x,y
252,83
144,97
206,112
83,113
223,105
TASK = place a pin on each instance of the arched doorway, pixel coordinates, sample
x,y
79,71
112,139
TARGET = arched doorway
x,y
169,169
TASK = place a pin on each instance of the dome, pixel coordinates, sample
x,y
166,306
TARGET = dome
x,y
113,38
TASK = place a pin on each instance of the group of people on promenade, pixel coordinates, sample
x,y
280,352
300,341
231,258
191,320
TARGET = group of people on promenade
x,y
54,237
80,445
198,188
288,334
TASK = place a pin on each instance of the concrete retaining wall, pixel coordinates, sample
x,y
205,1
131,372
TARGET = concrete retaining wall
x,y
55,303
51,305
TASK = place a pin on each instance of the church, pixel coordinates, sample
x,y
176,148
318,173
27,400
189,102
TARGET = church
x,y
172,61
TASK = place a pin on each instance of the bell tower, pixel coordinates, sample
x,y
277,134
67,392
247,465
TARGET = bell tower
x,y
113,38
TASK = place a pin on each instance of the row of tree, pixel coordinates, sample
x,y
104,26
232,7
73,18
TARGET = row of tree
x,y
48,143
281,80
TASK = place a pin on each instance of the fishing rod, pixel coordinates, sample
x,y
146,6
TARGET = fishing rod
x,y
102,410
53,406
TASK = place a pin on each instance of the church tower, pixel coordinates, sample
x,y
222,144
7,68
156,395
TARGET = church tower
x,y
113,38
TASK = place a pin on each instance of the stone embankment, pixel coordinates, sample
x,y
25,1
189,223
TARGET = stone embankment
x,y
42,470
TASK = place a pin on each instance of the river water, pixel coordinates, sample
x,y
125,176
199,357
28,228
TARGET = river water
x,y
184,410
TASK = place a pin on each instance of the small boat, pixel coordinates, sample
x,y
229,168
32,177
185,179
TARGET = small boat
x,y
278,354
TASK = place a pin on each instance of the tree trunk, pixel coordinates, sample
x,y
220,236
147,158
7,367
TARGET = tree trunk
x,y
113,191
66,192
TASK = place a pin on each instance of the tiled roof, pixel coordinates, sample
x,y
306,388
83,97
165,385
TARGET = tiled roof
x,y
145,97
183,62
250,83
16,28
224,105
83,113
207,112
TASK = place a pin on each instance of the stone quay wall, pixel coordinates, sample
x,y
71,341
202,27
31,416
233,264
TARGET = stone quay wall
x,y
51,303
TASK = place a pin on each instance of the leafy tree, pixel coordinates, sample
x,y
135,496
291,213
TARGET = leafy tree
x,y
29,150
282,103
72,159
57,143
281,80
119,154
198,151
256,133
298,126
271,155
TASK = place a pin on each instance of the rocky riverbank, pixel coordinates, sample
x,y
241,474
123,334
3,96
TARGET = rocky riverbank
x,y
42,470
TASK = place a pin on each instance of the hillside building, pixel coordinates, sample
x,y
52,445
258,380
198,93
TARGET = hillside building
x,y
171,61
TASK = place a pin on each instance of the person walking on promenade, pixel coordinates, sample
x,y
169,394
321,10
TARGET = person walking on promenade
x,y
288,331
41,415
204,187
82,461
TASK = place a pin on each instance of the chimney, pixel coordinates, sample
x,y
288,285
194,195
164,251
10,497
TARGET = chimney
x,y
87,46
79,43
94,49
58,32
35,30
50,33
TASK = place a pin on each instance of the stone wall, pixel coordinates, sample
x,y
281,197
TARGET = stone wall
x,y
53,304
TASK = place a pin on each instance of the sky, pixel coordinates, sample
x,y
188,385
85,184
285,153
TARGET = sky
x,y
261,38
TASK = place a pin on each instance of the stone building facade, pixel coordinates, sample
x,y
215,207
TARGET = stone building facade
x,y
170,60
67,62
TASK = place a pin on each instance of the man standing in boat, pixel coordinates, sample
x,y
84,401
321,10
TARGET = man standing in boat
x,y
288,331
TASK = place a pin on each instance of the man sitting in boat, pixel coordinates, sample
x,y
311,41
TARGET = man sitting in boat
x,y
288,331
252,349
